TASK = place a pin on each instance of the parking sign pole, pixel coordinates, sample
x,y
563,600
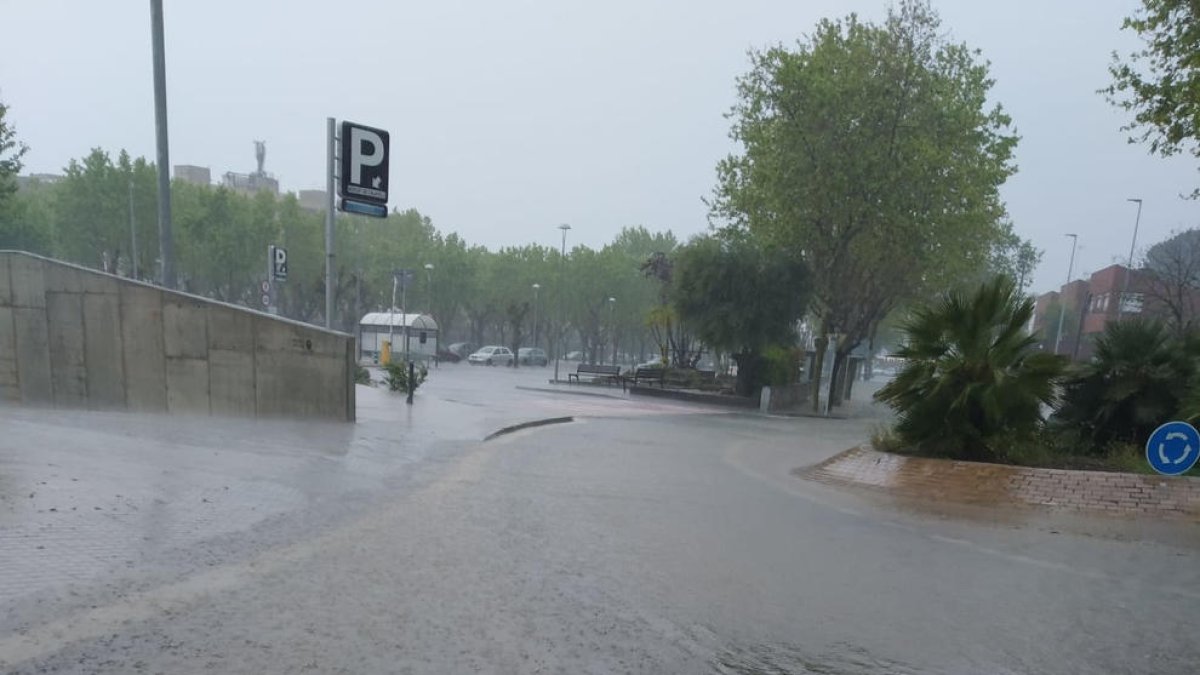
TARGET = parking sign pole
x,y
331,152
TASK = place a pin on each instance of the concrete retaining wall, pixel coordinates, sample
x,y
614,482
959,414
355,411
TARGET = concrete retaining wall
x,y
72,337
997,484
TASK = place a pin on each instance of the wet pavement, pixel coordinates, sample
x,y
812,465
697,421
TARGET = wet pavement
x,y
647,536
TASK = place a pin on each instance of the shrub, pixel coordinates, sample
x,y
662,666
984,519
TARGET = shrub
x,y
397,376
971,373
361,375
781,365
1141,376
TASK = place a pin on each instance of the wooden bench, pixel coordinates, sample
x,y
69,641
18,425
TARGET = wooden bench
x,y
650,375
610,374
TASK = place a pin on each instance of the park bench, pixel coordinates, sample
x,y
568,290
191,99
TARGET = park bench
x,y
610,374
651,375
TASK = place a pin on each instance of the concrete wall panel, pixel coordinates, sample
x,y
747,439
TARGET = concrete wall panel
x,y
65,279
102,351
187,386
9,391
231,386
5,283
185,327
76,337
145,367
68,370
28,281
33,355
230,329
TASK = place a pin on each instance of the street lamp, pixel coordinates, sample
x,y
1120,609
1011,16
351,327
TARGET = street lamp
x,y
1062,301
429,285
612,327
1129,271
536,287
561,266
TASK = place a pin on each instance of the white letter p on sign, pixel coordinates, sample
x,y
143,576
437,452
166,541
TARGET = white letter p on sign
x,y
357,158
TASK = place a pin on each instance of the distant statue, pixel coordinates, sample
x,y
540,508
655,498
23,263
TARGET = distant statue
x,y
260,153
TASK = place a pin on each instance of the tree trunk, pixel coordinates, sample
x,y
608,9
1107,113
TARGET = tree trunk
x,y
749,375
819,345
836,383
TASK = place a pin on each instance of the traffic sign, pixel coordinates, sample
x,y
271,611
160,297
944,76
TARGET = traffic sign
x,y
1173,448
364,174
404,277
279,263
265,286
266,300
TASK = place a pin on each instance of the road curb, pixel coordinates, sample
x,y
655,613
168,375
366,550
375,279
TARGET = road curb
x,y
528,425
1003,485
593,394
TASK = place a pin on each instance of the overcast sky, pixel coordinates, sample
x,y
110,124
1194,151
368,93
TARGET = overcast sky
x,y
508,118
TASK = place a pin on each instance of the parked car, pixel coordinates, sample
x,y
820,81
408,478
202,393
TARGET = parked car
x,y
574,356
490,356
447,356
461,349
532,356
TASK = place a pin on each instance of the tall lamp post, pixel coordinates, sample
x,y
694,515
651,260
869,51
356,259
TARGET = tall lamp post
x,y
612,328
536,287
1129,271
1062,303
561,267
429,286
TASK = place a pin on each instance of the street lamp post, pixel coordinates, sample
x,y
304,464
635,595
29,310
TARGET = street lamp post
x,y
612,328
1062,301
429,286
166,245
536,287
133,249
392,318
561,266
429,292
1129,271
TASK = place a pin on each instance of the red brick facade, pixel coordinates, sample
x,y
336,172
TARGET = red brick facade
x,y
1091,304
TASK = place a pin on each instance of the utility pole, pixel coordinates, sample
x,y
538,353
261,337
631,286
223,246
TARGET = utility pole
x,y
1062,299
561,284
535,314
331,158
133,249
1129,271
612,328
166,245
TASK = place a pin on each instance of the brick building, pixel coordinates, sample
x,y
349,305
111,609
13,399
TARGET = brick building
x,y
1090,305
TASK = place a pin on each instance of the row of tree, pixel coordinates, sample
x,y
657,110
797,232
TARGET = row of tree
x,y
598,299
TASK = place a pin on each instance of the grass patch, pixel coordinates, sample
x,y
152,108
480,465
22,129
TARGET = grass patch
x,y
1045,449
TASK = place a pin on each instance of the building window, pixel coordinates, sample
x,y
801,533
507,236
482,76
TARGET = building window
x,y
1131,303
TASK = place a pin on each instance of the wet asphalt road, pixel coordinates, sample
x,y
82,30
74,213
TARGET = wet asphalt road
x,y
644,537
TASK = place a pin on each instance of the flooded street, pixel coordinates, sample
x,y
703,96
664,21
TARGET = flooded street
x,y
643,537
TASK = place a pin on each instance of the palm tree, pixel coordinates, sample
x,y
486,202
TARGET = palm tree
x,y
971,373
1138,379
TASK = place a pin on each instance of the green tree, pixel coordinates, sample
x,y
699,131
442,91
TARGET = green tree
x,y
14,232
971,373
740,297
11,152
870,150
1160,83
1173,280
1138,378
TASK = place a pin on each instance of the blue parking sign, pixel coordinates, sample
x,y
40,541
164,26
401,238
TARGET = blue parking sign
x,y
1173,448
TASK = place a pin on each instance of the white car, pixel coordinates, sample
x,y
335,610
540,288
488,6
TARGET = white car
x,y
490,356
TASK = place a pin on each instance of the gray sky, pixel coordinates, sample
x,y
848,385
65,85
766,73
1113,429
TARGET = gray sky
x,y
508,118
